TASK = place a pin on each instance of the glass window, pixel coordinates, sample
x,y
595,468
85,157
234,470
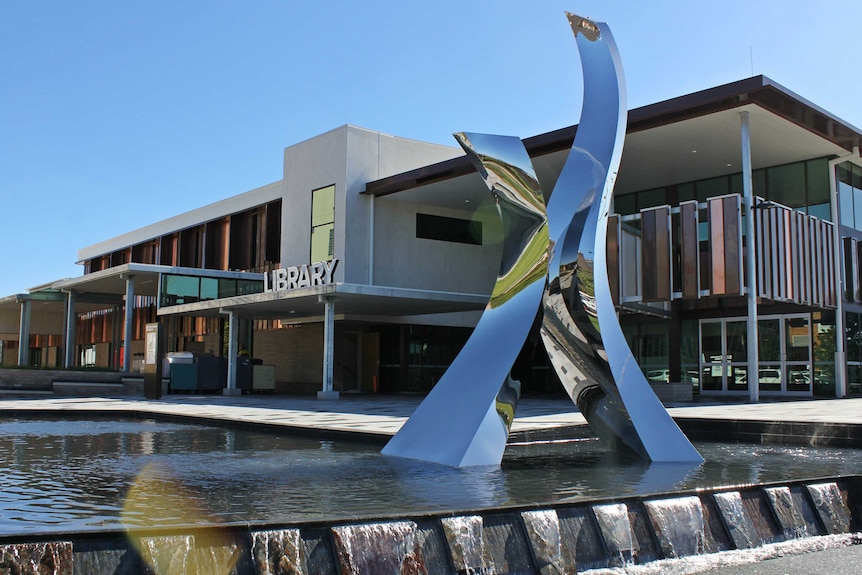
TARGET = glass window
x,y
817,185
736,184
713,358
737,333
323,224
685,192
651,198
857,207
854,337
689,353
786,184
244,287
209,288
226,288
625,204
758,182
448,229
798,339
845,195
180,289
323,206
322,243
845,204
769,340
857,176
712,188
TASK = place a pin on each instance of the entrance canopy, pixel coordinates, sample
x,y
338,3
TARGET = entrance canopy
x,y
352,299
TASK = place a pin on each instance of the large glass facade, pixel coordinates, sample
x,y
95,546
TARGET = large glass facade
x,y
853,326
850,195
649,344
802,185
788,345
179,289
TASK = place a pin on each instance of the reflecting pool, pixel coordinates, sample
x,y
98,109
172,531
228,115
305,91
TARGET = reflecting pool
x,y
77,475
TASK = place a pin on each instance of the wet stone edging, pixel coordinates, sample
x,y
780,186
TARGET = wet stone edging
x,y
564,538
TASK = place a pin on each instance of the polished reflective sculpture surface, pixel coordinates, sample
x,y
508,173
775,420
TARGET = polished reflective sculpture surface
x,y
466,417
555,260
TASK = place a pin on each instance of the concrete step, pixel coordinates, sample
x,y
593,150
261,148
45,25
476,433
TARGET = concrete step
x,y
84,388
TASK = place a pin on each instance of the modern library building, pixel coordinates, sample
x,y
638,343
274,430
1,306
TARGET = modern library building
x,y
367,265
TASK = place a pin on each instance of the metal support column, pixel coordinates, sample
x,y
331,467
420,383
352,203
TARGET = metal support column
x,y
328,348
750,256
840,330
69,335
130,318
232,328
24,335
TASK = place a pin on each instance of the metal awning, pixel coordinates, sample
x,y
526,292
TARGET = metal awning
x,y
354,300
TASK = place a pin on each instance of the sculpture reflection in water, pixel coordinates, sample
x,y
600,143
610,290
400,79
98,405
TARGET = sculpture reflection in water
x,y
556,260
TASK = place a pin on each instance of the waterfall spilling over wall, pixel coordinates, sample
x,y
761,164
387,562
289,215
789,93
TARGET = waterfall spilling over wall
x,y
563,538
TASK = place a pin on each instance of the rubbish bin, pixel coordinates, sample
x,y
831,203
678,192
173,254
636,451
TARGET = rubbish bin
x,y
212,373
182,378
243,373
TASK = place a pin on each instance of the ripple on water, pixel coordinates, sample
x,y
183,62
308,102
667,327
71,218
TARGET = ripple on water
x,y
77,475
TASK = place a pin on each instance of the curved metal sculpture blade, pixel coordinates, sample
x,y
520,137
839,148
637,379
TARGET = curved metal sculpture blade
x,y
580,329
465,419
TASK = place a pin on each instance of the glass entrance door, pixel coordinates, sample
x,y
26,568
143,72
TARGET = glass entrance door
x,y
796,372
784,355
723,356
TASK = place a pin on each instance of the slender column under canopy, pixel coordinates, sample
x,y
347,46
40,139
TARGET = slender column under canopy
x,y
24,334
751,269
130,314
328,348
232,324
69,336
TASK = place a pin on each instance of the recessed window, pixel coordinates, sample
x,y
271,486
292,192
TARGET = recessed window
x,y
448,229
323,224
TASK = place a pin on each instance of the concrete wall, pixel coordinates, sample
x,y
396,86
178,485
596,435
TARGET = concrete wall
x,y
347,157
41,379
403,260
310,165
371,156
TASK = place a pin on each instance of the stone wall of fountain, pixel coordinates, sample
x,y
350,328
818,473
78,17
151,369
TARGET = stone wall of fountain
x,y
565,538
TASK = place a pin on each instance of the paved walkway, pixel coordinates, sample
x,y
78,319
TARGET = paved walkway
x,y
383,415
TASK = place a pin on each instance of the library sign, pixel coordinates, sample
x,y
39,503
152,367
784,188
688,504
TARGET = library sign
x,y
295,277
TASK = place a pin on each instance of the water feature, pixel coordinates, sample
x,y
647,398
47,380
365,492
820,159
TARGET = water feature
x,y
679,525
737,520
831,507
138,496
76,475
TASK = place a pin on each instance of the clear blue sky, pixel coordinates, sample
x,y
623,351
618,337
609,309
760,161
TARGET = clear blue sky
x,y
115,115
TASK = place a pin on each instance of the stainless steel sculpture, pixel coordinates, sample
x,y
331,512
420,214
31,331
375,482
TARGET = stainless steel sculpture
x,y
466,417
581,330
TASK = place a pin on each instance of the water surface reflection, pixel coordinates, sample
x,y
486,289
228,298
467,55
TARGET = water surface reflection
x,y
77,474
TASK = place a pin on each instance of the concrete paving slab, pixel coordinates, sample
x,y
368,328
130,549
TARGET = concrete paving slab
x,y
383,415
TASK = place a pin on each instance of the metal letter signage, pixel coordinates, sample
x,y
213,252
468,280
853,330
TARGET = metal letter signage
x,y
553,261
316,274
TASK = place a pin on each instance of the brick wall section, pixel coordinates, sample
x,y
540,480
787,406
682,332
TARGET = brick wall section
x,y
296,353
41,379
